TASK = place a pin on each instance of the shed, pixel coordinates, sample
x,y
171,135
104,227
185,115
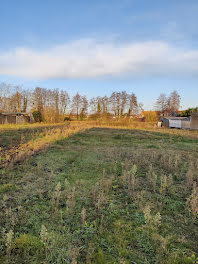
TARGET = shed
x,y
175,122
15,118
194,121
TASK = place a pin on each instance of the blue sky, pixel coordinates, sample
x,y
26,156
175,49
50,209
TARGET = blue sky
x,y
95,47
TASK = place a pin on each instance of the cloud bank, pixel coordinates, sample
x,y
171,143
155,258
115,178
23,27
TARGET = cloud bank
x,y
88,58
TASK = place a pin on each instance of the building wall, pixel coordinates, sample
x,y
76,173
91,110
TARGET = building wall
x,y
10,119
175,124
194,121
185,124
21,120
2,119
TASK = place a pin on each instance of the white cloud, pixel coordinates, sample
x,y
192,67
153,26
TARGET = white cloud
x,y
90,59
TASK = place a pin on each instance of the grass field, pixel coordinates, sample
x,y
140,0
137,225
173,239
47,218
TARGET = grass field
x,y
100,195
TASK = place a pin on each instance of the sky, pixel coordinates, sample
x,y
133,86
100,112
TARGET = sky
x,y
98,46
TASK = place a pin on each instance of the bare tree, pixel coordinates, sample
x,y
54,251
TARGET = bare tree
x,y
115,100
64,101
173,103
83,107
25,99
124,101
133,108
38,99
162,103
16,102
105,104
76,104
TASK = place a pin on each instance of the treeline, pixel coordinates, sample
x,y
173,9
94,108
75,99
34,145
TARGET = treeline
x,y
56,105
189,112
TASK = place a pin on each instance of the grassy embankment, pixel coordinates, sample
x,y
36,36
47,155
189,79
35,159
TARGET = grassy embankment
x,y
102,195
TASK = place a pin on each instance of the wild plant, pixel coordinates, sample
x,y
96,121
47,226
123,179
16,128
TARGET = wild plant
x,y
56,196
150,171
152,177
126,164
101,223
152,221
170,182
124,178
83,216
131,182
71,200
106,184
102,199
90,251
192,201
177,159
147,214
154,181
163,241
139,199
189,178
93,194
9,241
73,253
44,238
103,173
66,189
163,186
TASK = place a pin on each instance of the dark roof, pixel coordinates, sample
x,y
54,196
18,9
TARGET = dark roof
x,y
14,114
174,117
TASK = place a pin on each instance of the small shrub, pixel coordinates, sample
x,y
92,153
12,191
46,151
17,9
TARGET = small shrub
x,y
182,260
9,242
67,118
37,116
27,244
6,188
99,257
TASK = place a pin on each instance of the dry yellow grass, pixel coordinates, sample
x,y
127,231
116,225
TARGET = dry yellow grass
x,y
54,132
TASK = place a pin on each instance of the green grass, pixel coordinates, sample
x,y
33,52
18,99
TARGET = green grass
x,y
90,168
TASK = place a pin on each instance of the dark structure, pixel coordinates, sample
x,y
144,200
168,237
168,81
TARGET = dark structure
x,y
15,118
194,121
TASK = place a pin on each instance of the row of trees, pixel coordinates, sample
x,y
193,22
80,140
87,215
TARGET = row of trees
x,y
55,104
